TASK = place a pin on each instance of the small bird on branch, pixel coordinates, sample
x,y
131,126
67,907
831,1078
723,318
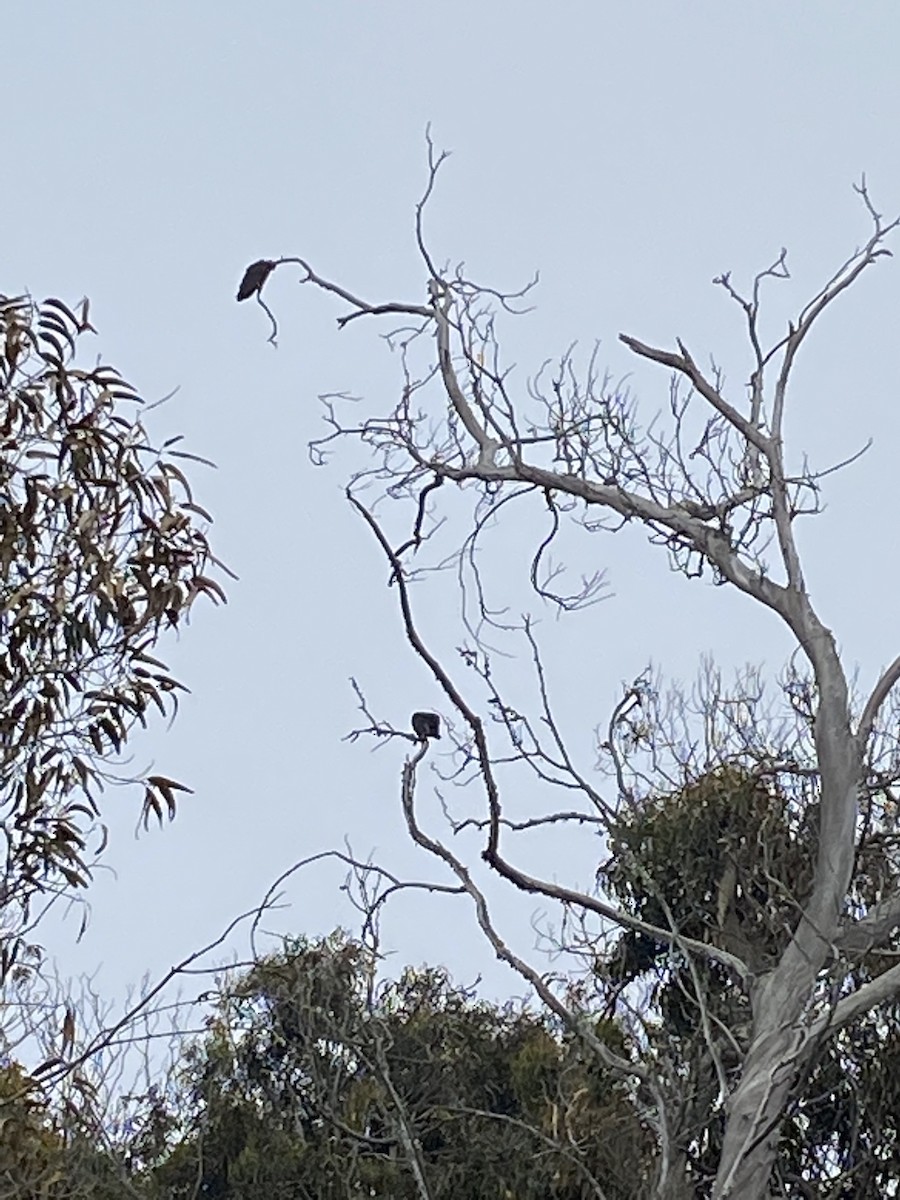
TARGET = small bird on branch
x,y
426,725
254,277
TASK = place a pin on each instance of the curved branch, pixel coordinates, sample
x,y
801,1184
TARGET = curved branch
x,y
491,853
880,693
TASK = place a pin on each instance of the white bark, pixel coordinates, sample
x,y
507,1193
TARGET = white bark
x,y
485,445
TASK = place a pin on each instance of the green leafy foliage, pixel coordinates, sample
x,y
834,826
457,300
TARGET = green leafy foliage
x,y
312,1082
102,547
44,1153
728,860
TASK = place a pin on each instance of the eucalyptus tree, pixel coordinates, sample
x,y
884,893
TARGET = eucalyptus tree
x,y
103,548
315,1080
800,932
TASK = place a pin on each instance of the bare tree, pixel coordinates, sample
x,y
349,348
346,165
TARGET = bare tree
x,y
711,485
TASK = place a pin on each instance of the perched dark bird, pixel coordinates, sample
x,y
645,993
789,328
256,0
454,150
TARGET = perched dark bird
x,y
254,277
426,725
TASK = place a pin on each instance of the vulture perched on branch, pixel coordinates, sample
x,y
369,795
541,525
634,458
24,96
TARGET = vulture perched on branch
x,y
426,725
254,277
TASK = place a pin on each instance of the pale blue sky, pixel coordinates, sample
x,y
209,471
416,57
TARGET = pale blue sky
x,y
630,152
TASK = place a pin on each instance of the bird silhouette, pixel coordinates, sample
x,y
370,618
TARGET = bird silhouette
x,y
254,277
426,725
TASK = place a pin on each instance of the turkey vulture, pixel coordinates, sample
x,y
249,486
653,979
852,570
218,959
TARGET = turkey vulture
x,y
254,277
426,725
